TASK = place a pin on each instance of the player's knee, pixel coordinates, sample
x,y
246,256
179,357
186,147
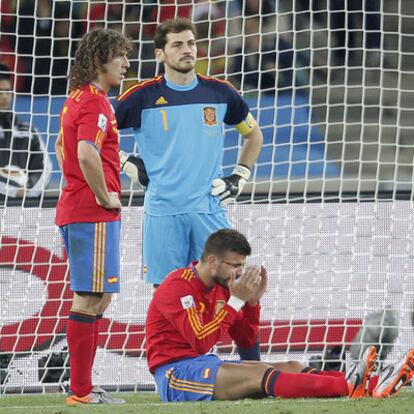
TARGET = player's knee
x,y
106,300
295,366
87,302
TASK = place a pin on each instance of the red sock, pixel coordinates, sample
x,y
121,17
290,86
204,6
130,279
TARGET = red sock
x,y
310,370
372,383
288,385
80,336
96,336
336,374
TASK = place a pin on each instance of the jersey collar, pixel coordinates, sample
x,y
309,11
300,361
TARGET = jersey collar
x,y
97,89
193,268
181,88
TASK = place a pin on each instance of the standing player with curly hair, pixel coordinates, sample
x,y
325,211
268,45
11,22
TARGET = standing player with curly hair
x,y
88,211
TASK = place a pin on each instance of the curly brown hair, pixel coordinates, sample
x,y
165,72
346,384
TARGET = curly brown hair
x,y
95,49
177,25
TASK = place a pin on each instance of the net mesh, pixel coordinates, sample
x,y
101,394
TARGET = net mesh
x,y
328,209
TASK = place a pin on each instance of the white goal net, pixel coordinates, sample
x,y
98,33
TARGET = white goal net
x,y
328,210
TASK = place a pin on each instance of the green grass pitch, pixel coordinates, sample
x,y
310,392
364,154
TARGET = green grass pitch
x,y
149,403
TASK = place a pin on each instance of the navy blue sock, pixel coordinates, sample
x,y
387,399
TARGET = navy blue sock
x,y
252,354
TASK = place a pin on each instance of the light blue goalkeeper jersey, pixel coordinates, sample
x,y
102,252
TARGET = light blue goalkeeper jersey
x,y
179,133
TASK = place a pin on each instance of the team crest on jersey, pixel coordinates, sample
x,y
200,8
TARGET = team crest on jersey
x,y
102,122
219,306
210,115
187,302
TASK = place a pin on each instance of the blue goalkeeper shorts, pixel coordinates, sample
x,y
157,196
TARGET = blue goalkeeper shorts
x,y
171,242
93,254
190,379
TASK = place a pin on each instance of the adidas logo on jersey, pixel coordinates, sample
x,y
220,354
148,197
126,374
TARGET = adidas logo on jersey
x,y
161,101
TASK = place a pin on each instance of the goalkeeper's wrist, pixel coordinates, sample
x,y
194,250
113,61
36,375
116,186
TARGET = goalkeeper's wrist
x,y
235,303
242,171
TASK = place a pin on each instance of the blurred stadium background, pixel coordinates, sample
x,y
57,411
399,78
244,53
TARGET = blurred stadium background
x,y
329,209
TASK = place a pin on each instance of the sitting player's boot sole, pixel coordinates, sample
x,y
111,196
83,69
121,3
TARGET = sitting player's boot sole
x,y
393,377
358,378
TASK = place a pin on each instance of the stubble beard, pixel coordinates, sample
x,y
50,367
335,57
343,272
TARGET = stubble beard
x,y
219,281
182,70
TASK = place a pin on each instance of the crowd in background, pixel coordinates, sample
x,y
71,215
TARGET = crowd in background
x,y
236,37
264,46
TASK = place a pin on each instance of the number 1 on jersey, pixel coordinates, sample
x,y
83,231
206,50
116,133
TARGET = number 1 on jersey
x,y
164,119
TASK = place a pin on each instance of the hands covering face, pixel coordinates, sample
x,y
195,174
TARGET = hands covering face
x,y
251,286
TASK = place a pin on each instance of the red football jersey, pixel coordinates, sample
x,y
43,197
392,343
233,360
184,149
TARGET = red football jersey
x,y
87,115
186,319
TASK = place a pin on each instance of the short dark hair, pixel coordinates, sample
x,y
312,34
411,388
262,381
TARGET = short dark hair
x,y
95,49
177,25
5,72
226,240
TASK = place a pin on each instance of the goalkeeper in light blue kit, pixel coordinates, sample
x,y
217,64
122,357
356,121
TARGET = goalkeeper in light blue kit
x,y
178,119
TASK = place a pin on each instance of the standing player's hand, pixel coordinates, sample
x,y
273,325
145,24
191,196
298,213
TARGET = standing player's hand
x,y
261,288
227,189
112,203
134,168
246,285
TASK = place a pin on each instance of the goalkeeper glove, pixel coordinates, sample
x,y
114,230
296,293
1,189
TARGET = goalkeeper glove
x,y
228,188
134,168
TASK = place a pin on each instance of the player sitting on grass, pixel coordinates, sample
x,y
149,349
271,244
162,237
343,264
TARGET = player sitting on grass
x,y
195,306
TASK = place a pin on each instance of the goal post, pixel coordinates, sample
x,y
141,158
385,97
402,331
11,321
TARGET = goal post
x,y
328,209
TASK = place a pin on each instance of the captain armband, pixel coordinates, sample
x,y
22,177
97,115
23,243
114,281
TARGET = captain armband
x,y
246,126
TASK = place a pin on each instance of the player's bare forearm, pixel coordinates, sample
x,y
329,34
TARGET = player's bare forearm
x,y
91,165
252,146
58,152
